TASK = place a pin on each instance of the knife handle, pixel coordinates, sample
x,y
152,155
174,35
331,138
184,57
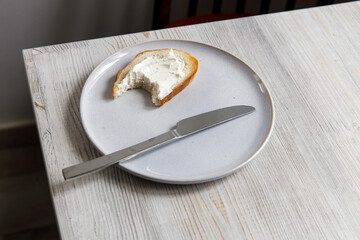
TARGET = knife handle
x,y
121,156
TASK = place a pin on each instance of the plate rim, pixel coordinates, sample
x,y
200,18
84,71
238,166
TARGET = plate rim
x,y
213,176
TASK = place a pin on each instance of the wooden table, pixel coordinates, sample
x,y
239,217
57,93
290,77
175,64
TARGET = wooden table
x,y
305,184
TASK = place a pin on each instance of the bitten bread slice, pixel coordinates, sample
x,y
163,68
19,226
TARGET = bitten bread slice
x,y
163,73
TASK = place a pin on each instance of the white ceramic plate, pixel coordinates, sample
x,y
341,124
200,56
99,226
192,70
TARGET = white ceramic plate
x,y
222,80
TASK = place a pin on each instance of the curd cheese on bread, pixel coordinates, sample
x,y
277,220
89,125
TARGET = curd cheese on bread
x,y
163,73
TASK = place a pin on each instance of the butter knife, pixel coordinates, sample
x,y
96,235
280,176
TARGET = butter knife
x,y
183,128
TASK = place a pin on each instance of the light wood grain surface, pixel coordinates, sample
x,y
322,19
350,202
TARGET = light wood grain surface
x,y
305,184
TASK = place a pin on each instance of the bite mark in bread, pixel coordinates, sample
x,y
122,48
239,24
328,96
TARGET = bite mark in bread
x,y
163,72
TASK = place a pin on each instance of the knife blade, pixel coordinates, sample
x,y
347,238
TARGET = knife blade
x,y
183,128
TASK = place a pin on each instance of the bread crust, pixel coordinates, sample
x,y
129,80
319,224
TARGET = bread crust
x,y
114,87
175,90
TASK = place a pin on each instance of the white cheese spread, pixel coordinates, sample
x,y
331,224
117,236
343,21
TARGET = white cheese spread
x,y
158,74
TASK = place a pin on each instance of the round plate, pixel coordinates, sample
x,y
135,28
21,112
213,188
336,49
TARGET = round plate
x,y
222,80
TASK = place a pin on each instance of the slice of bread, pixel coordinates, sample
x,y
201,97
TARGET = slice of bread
x,y
163,73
